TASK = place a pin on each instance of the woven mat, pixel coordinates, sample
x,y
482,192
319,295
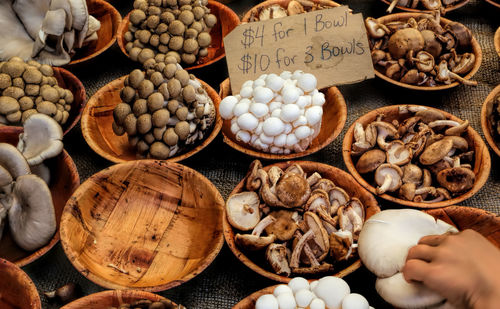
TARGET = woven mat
x,y
227,280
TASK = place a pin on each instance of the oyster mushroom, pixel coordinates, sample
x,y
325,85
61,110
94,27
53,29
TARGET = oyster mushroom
x,y
276,256
255,241
12,161
388,178
242,210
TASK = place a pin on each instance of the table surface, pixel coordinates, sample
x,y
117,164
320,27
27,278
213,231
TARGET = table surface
x,y
227,280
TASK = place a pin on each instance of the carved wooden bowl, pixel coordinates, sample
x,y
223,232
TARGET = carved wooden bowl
x,y
16,288
283,3
446,10
332,123
63,183
485,122
481,168
113,298
97,120
146,224
257,262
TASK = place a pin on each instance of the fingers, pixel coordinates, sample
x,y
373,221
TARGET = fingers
x,y
421,252
415,270
432,240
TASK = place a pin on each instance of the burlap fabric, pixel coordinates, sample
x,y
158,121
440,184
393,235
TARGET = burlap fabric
x,y
227,280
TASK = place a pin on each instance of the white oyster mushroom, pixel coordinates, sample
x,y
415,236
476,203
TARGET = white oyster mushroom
x,y
298,283
332,291
355,301
267,301
248,122
226,107
281,289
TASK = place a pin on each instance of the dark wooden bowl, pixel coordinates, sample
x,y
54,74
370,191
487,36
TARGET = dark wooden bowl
x,y
494,3
481,168
98,117
496,40
476,50
332,123
446,10
17,291
227,20
341,179
485,123
146,224
112,298
283,3
62,184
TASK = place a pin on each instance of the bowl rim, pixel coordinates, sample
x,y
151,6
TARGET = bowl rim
x,y
295,155
86,119
492,2
78,303
476,50
80,267
265,3
485,124
241,256
482,175
446,10
28,284
496,39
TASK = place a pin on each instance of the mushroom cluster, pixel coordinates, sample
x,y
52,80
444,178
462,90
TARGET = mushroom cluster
x,y
494,119
277,114
294,7
384,242
431,5
148,304
327,292
29,88
165,110
309,223
47,31
421,51
178,28
423,158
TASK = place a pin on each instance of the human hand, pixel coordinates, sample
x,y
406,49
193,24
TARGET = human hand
x,y
464,268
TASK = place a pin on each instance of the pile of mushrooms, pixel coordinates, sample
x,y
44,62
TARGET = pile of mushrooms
x,y
421,51
384,242
422,159
165,110
305,223
294,7
178,28
277,114
47,31
29,88
327,292
494,119
431,5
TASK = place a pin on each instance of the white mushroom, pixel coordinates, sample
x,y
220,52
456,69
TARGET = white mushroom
x,y
355,301
226,106
281,289
267,301
286,301
332,291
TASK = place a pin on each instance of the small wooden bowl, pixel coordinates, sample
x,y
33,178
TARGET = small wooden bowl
x,y
112,298
482,161
98,117
16,288
110,20
62,185
332,123
496,40
476,50
446,10
341,179
485,123
494,3
227,20
146,224
283,3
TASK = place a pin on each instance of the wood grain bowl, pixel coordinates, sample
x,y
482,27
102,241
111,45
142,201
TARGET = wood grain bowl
x,y
485,122
446,10
17,291
257,262
62,185
146,224
332,123
112,298
481,168
283,3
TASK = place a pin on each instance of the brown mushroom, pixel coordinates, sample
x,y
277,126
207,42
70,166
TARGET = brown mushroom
x,y
285,225
253,182
405,40
398,153
384,130
370,160
255,241
276,256
319,203
338,197
242,210
436,152
456,179
388,178
293,190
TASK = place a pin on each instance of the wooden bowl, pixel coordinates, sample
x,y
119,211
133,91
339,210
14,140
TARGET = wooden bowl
x,y
110,20
63,183
227,20
485,123
482,161
17,291
283,3
494,3
496,40
112,298
341,179
147,225
476,50
332,123
249,301
446,10
97,119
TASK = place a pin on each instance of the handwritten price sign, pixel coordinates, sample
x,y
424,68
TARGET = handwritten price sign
x,y
330,43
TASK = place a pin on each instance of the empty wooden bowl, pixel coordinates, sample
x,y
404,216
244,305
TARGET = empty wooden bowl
x,y
486,111
496,40
481,168
110,20
227,20
257,261
97,120
17,291
147,225
64,181
113,298
476,50
446,9
332,123
284,3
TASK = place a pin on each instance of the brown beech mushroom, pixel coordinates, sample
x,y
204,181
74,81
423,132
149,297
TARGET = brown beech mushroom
x,y
242,210
388,178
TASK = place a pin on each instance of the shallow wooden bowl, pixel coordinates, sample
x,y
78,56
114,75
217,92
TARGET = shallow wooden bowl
x,y
112,298
341,179
446,10
496,40
97,119
283,3
227,20
110,20
17,291
482,161
63,183
147,225
332,123
476,50
485,123
494,3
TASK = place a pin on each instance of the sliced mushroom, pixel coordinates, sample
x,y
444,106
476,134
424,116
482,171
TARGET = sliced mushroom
x,y
388,178
320,235
370,160
276,256
242,210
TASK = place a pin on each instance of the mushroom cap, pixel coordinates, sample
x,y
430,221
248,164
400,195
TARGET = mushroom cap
x,y
332,291
429,115
412,174
13,161
293,190
320,234
456,179
436,151
285,226
253,242
405,40
267,301
242,210
459,142
5,177
253,182
389,169
370,160
355,301
398,154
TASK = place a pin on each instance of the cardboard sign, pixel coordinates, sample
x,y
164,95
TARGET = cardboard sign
x,y
331,44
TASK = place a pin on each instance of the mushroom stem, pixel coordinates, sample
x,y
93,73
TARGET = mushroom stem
x,y
257,230
310,255
294,261
392,6
462,80
438,123
385,185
